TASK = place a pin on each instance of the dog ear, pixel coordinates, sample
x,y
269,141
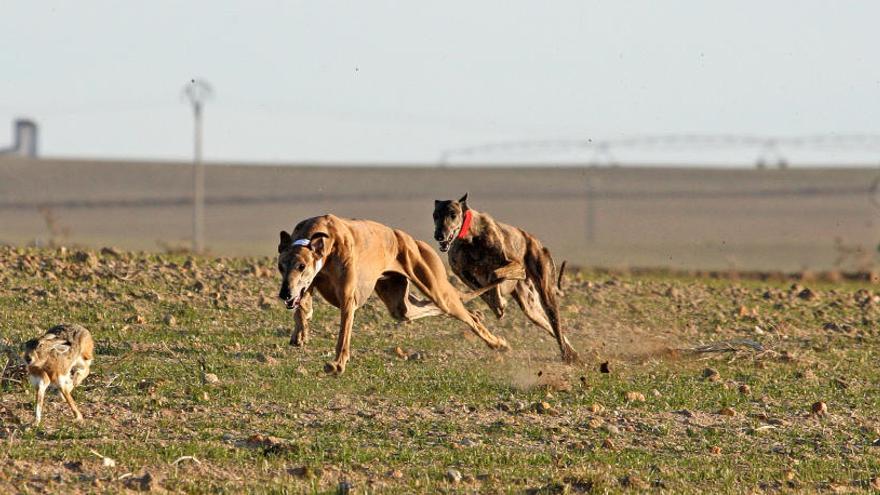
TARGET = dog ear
x,y
319,243
463,202
285,241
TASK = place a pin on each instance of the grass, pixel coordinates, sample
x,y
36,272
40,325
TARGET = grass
x,y
274,422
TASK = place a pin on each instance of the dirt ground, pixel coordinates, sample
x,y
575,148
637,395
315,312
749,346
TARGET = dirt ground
x,y
688,385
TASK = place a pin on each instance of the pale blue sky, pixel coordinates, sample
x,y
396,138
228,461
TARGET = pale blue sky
x,y
403,80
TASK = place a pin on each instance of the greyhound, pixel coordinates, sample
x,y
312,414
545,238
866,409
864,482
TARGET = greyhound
x,y
482,251
347,260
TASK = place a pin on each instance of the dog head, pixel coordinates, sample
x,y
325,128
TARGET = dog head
x,y
448,219
299,262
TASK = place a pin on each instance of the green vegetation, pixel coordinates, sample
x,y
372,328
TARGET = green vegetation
x,y
272,421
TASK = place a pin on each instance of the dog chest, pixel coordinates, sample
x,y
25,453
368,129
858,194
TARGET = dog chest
x,y
475,262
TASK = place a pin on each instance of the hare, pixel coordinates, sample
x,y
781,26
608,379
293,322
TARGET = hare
x,y
61,357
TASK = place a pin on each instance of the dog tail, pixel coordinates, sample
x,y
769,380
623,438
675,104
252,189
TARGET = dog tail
x,y
561,273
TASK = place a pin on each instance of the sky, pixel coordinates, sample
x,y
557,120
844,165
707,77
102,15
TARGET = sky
x,y
404,81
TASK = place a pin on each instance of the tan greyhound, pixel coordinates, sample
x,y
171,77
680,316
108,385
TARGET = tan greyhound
x,y
347,260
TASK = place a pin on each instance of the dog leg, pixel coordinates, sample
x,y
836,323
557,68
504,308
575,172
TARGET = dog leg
x,y
540,269
420,308
343,341
569,355
493,341
511,271
529,301
301,317
456,309
495,301
448,300
404,306
429,275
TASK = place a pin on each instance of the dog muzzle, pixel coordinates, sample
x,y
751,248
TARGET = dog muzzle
x,y
444,245
294,300
462,232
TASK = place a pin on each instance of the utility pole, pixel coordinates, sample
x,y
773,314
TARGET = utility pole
x,y
197,92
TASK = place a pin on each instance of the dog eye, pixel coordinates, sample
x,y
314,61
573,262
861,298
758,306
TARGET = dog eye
x,y
301,267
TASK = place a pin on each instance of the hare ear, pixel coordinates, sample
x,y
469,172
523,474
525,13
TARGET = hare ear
x,y
61,348
285,240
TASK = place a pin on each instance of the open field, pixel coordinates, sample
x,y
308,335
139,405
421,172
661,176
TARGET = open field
x,y
612,217
167,326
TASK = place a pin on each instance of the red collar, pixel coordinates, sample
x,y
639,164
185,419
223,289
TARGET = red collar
x,y
465,225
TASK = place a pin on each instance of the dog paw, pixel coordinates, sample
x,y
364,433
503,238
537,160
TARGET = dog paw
x,y
478,315
571,356
334,368
501,346
299,338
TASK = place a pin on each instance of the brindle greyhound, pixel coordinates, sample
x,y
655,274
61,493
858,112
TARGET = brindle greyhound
x,y
346,260
482,250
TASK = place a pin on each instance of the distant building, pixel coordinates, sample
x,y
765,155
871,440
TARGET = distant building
x,y
24,139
